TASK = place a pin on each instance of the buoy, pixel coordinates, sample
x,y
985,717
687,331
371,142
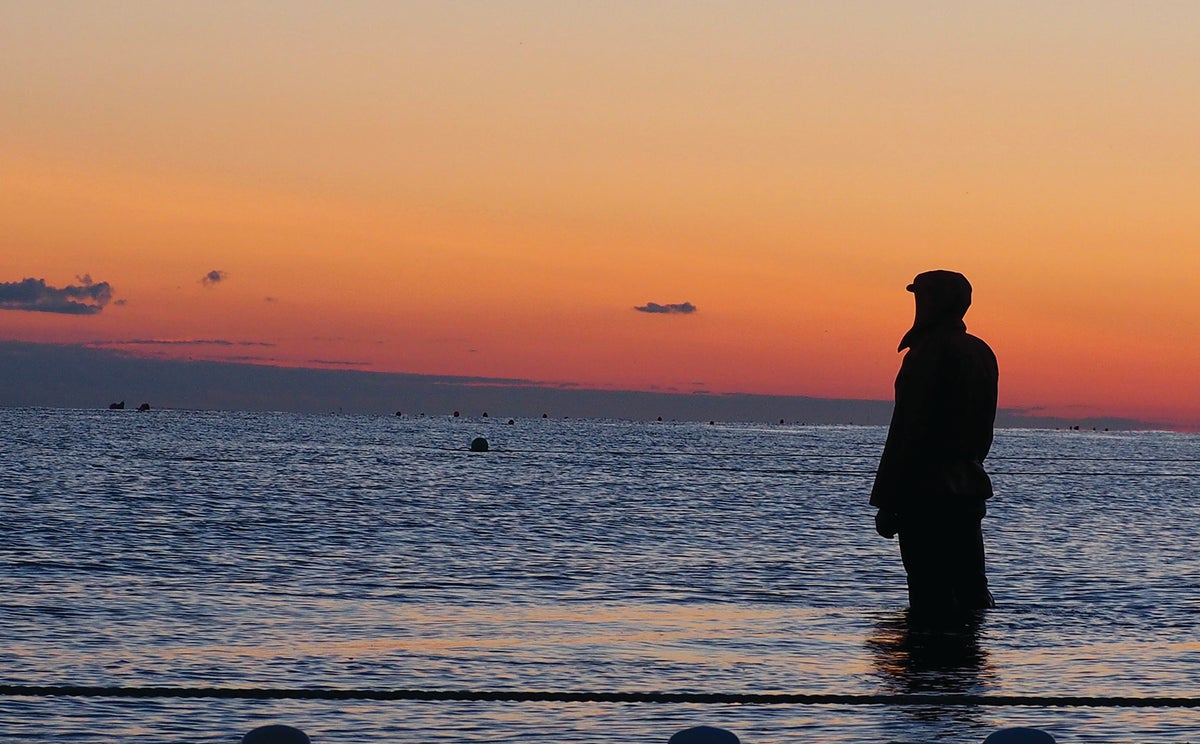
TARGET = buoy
x,y
1019,735
399,413
479,444
456,414
144,407
704,735
276,734
511,422
485,414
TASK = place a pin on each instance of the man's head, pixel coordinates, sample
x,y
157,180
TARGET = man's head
x,y
940,294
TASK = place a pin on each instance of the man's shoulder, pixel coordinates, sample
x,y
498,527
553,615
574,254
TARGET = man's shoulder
x,y
978,343
952,345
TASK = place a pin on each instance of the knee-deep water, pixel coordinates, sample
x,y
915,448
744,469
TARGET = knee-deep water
x,y
203,549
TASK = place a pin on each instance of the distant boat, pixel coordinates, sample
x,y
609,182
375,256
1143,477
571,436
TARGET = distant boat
x,y
144,407
116,406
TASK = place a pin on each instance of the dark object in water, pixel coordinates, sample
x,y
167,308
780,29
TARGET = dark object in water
x,y
479,444
276,734
511,422
144,407
704,735
1019,735
116,406
398,413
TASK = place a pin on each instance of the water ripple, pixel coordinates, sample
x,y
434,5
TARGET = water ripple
x,y
192,549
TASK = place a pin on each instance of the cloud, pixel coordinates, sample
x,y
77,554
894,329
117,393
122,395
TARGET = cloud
x,y
682,308
337,363
187,342
213,277
85,298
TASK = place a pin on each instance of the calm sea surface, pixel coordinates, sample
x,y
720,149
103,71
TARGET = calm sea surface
x,y
194,549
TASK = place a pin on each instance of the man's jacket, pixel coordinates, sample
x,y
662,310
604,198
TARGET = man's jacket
x,y
941,427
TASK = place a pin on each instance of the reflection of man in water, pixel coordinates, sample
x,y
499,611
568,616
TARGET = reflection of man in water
x,y
913,657
931,486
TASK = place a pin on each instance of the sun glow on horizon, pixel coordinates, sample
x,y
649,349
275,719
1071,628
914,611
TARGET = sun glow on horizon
x,y
491,191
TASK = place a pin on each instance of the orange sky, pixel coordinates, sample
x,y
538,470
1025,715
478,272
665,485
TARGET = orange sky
x,y
490,188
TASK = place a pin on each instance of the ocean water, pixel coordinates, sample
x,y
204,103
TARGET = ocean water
x,y
204,549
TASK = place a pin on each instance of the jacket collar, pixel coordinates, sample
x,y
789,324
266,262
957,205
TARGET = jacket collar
x,y
919,332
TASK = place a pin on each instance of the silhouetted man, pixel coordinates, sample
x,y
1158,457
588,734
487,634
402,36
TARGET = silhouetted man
x,y
931,487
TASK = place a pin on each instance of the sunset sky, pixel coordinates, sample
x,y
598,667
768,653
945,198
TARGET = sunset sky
x,y
492,188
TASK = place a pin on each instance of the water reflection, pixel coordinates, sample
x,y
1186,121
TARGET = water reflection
x,y
576,556
915,654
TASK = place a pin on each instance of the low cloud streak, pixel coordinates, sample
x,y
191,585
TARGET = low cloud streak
x,y
681,308
186,342
34,295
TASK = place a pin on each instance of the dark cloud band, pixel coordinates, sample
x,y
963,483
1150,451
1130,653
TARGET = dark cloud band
x,y
187,342
682,308
85,298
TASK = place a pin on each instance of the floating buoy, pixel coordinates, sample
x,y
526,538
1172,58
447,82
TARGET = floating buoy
x,y
704,735
1019,735
456,414
144,407
276,734
479,444
398,413
511,422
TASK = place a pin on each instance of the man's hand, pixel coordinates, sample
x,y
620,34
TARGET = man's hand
x,y
887,523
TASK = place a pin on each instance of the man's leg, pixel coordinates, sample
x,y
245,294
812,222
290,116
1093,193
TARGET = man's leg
x,y
928,568
970,574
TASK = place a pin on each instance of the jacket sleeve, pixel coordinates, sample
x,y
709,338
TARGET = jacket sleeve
x,y
910,434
